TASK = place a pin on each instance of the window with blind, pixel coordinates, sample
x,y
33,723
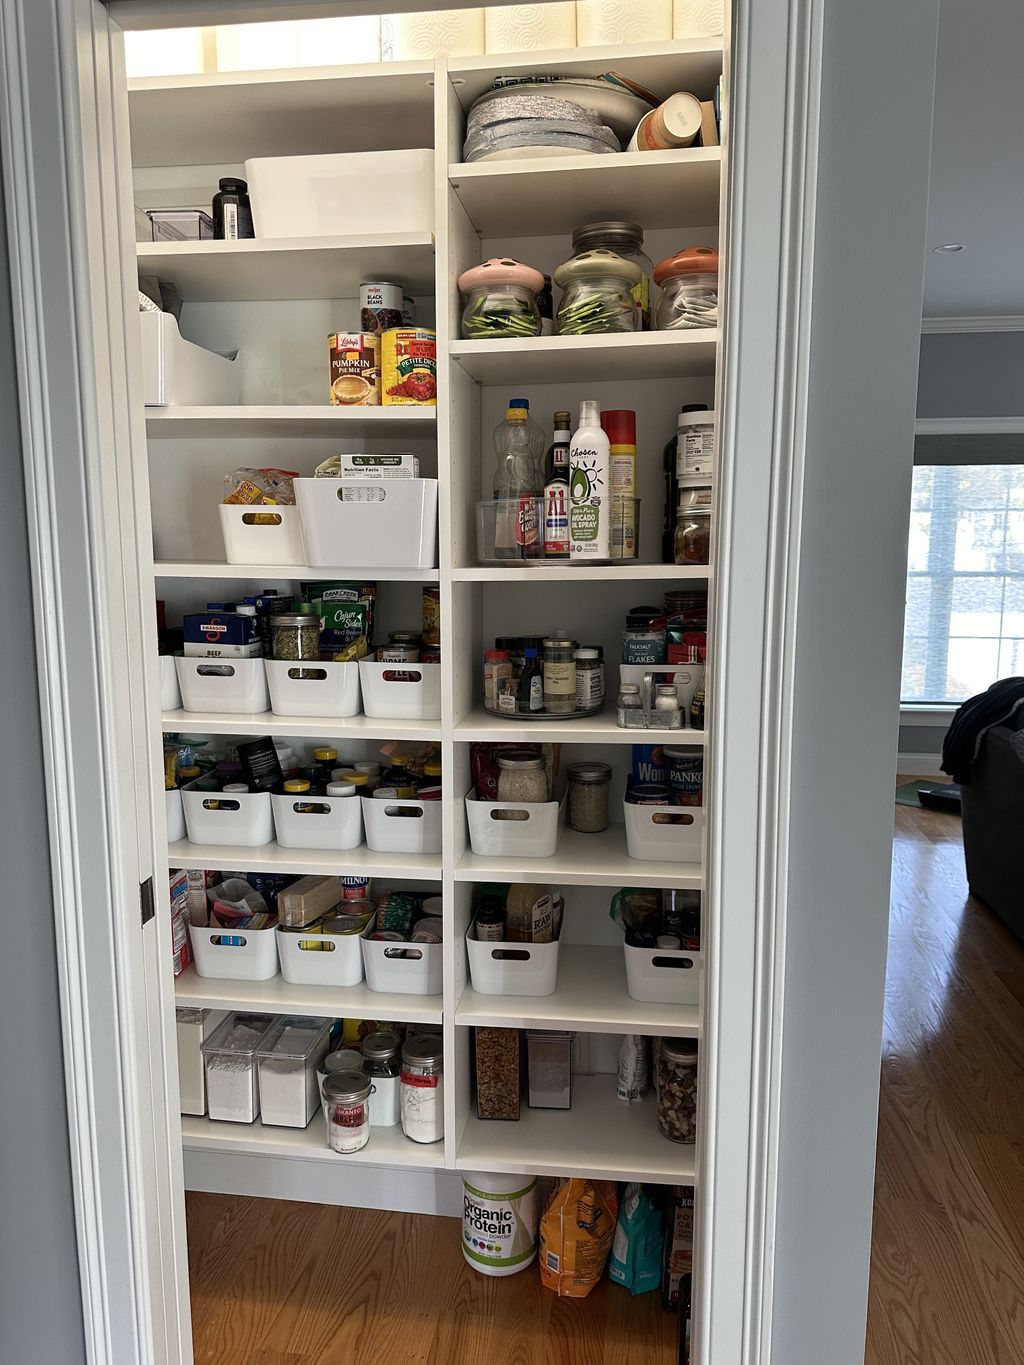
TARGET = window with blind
x,y
964,625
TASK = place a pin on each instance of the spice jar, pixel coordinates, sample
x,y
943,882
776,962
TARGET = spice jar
x,y
295,635
598,294
689,297
629,710
627,239
668,715
589,785
497,1073
501,299
559,676
589,679
693,526
382,1062
677,1088
645,639
347,1110
498,676
422,1093
521,778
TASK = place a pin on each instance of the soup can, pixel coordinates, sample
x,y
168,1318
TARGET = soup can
x,y
685,775
649,794
408,366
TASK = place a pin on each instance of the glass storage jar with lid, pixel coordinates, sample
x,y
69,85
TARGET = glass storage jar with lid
x,y
677,1088
521,777
295,635
382,1062
346,1096
627,240
597,294
422,1094
693,526
689,296
500,299
589,785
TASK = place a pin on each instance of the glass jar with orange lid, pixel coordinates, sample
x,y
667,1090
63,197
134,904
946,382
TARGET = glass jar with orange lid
x,y
689,282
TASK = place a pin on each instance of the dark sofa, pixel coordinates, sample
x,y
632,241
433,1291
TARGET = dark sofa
x,y
993,821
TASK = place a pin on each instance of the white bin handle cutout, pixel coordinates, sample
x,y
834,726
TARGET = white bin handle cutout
x,y
409,953
216,670
307,674
510,815
676,817
216,805
404,812
409,675
310,808
511,954
261,519
228,940
322,944
683,964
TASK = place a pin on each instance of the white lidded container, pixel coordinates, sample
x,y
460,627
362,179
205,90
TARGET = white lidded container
x,y
340,194
232,1085
288,1058
500,1216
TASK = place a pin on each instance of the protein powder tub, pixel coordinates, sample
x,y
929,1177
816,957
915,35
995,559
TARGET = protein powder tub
x,y
499,1222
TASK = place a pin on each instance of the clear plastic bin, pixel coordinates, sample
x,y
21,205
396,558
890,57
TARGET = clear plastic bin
x,y
288,1058
232,1086
511,531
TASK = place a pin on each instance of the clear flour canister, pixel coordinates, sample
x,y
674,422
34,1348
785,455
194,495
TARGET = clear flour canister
x,y
422,1095
499,1222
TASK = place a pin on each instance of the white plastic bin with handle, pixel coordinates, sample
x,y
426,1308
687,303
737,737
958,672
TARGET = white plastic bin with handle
x,y
405,968
242,818
320,959
671,834
177,373
391,522
234,954
402,826
663,976
334,822
170,693
342,194
400,691
313,689
512,968
224,686
515,830
250,538
175,816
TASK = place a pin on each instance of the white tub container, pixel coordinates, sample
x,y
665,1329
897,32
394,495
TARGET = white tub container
x,y
175,815
391,523
226,686
234,954
170,693
341,194
177,373
601,22
533,834
313,689
512,968
663,976
334,822
671,834
244,818
405,968
249,541
328,960
400,691
402,826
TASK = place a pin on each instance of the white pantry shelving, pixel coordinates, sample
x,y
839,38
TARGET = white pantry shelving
x,y
287,727
388,1148
356,862
289,422
285,573
278,996
576,360
484,725
581,860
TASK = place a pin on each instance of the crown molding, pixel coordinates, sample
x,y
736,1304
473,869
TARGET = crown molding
x,y
1009,322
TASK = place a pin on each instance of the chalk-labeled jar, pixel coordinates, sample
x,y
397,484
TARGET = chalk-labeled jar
x,y
422,1094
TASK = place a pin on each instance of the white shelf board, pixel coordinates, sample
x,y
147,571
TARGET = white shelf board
x,y
579,860
575,360
229,116
271,857
285,573
286,421
676,189
290,267
597,1137
267,723
277,996
387,1146
590,997
481,726
541,572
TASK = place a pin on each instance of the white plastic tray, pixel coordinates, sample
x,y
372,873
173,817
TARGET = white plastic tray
x,y
175,816
672,834
242,955
227,686
396,528
405,968
512,968
400,691
663,976
336,822
170,695
313,689
536,836
390,830
247,542
244,819
337,960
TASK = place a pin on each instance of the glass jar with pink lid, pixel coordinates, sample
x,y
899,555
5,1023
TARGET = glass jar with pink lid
x,y
500,299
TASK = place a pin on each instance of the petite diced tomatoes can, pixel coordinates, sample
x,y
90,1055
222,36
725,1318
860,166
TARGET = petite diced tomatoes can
x,y
408,364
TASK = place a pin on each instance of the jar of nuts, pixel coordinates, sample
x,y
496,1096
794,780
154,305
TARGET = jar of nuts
x,y
677,1089
497,1073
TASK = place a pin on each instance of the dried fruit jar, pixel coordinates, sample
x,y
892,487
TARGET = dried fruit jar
x,y
500,299
677,1089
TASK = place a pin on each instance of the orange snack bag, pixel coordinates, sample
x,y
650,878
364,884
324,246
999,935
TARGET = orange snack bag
x,y
576,1234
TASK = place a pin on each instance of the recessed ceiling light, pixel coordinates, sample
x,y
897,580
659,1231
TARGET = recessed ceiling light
x,y
948,249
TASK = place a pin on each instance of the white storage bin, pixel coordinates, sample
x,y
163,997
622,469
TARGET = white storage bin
x,y
406,968
391,523
234,954
663,976
170,694
313,689
333,960
227,686
400,691
671,834
341,194
390,828
247,541
512,968
177,373
242,818
333,822
536,836
175,816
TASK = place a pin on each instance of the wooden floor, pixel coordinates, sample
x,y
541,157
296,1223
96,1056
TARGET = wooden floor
x,y
299,1284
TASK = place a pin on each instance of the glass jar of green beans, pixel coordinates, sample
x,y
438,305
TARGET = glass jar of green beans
x,y
500,299
598,294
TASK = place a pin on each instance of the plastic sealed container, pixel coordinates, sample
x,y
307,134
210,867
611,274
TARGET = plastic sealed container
x,y
232,1084
627,241
500,299
689,297
508,1203
288,1058
598,294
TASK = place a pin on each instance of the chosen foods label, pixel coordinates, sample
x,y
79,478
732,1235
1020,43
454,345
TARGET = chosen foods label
x,y
499,1229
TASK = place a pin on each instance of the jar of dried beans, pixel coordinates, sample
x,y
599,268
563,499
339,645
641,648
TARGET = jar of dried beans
x,y
677,1089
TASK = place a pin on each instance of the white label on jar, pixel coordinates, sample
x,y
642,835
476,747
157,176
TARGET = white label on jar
x,y
348,1127
499,1229
230,222
422,1107
559,679
695,452
589,687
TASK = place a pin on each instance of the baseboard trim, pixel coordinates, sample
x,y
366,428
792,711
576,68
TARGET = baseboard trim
x,y
920,765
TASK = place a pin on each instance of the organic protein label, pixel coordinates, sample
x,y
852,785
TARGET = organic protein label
x,y
499,1231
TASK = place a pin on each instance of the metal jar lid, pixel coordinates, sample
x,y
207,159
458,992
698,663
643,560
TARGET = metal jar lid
x,y
520,759
406,637
291,618
680,1049
612,233
589,772
425,1049
346,1087
344,1060
380,1046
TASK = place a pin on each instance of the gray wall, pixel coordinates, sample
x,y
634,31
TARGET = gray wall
x,y
40,1301
971,374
